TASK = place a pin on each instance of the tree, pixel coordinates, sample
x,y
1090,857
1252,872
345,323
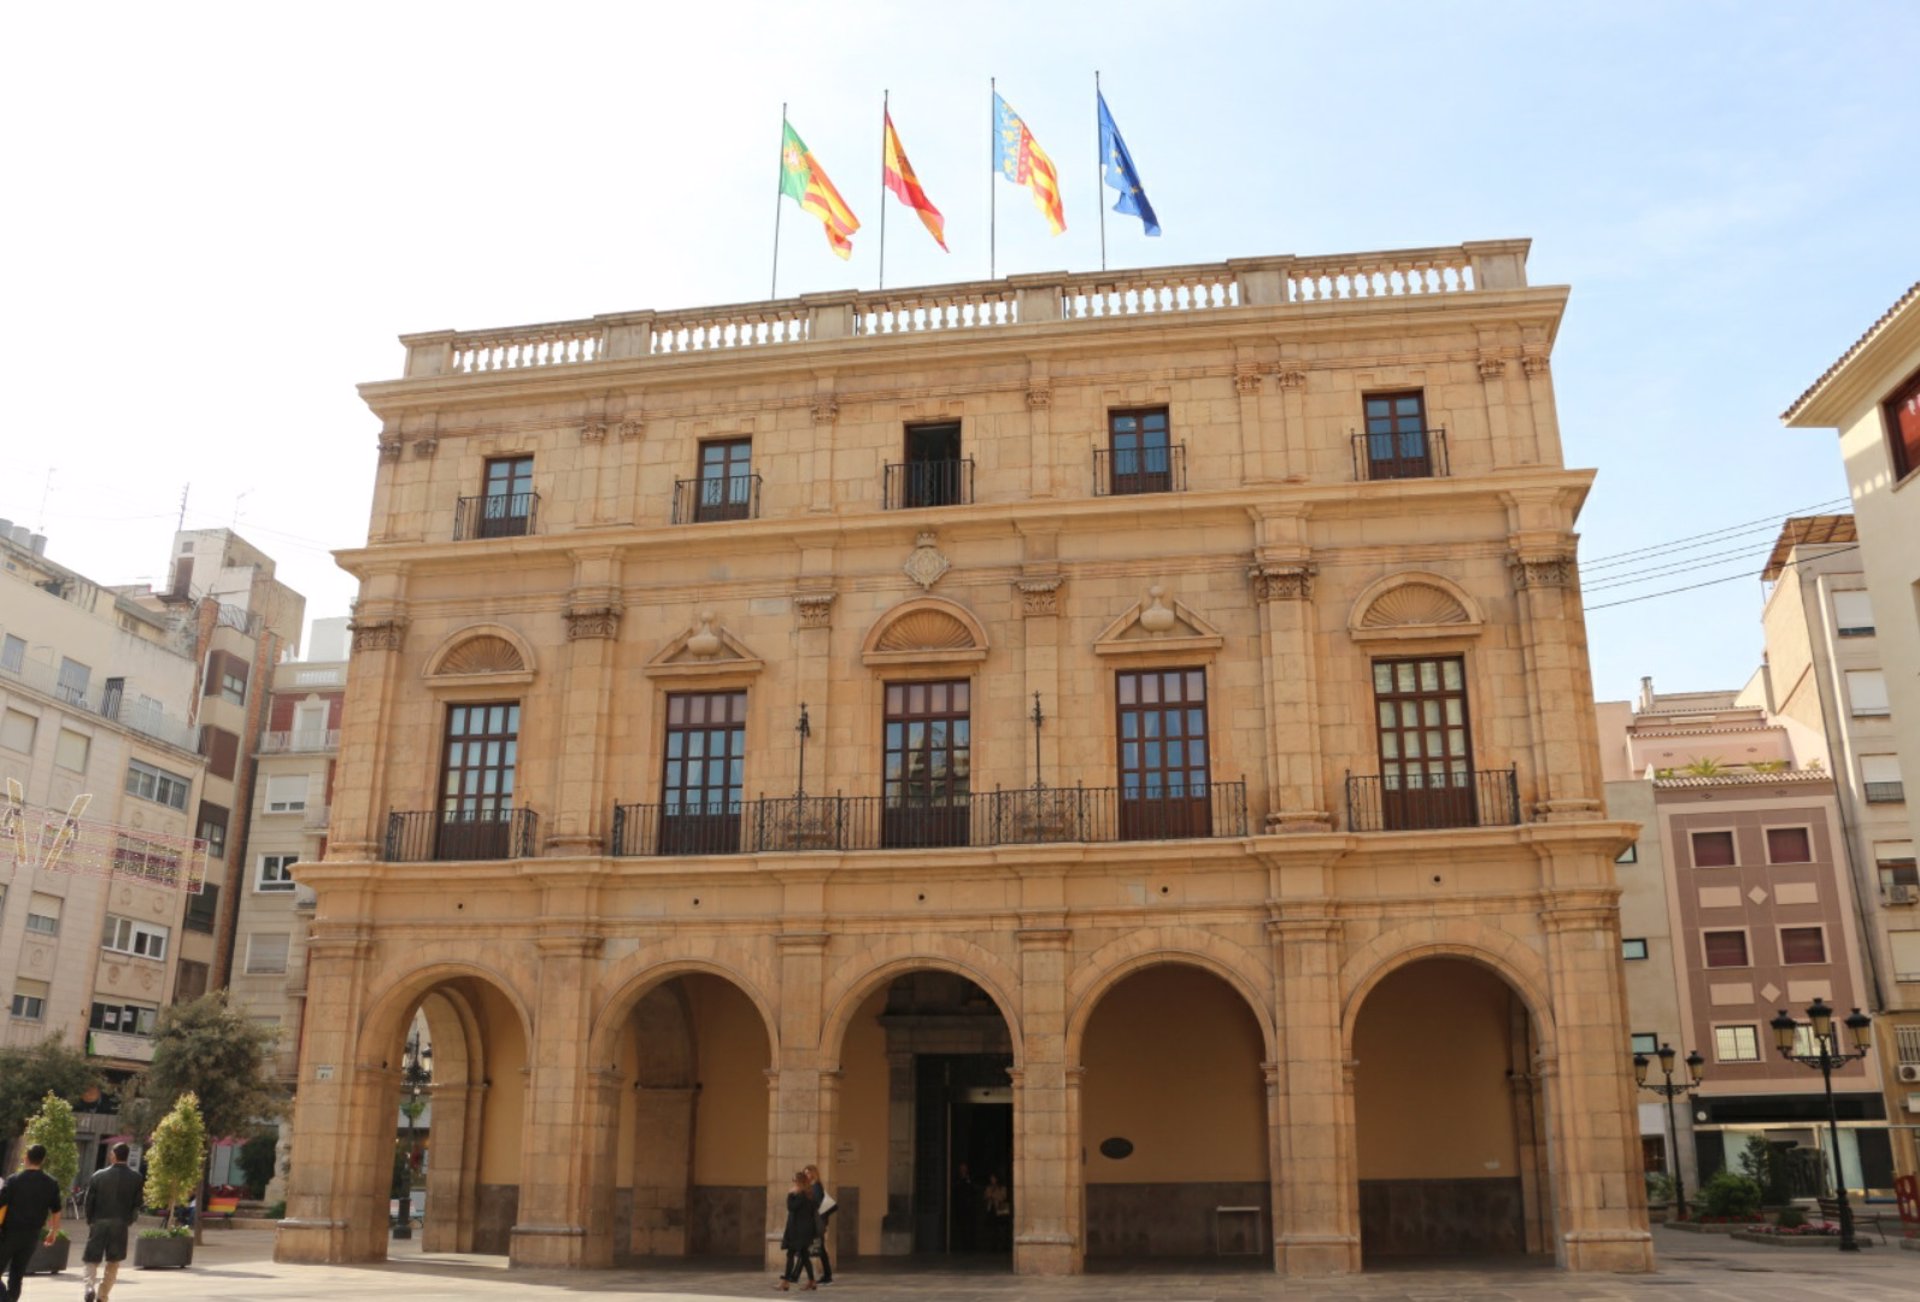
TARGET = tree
x,y
177,1156
28,1073
257,1158
52,1127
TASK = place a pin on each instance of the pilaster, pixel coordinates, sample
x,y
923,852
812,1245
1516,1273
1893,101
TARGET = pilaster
x,y
1316,1190
1047,1234
359,814
1281,578
593,628
567,1118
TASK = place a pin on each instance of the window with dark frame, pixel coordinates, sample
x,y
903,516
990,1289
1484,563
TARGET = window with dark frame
x,y
1629,855
1396,436
726,480
1644,1042
1803,945
1142,457
1426,764
1898,871
1633,948
213,829
701,785
1902,411
1736,1043
934,473
1713,850
1725,948
479,759
1789,845
927,763
1165,768
203,912
506,503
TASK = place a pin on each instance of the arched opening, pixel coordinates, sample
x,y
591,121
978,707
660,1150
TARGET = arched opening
x,y
689,1171
923,1161
1449,1117
1174,1122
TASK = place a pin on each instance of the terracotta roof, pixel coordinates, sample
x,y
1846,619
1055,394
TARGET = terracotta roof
x,y
1747,779
1807,529
1911,295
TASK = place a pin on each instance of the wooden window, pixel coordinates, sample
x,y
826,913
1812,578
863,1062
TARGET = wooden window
x,y
1803,945
928,764
701,785
1653,1154
1903,427
1713,850
1142,456
476,786
506,505
1396,437
1426,765
1725,948
1165,786
222,749
726,480
1789,845
1736,1043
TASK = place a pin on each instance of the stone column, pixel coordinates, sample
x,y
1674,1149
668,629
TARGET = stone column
x,y
1599,1194
459,1113
565,1139
581,813
663,1123
1316,1185
1283,590
1047,1236
795,1137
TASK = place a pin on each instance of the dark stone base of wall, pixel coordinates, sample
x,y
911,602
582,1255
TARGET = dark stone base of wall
x,y
727,1221
1442,1218
495,1210
1177,1220
846,1222
622,1223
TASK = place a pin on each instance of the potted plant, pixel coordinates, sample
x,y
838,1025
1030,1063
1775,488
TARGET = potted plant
x,y
52,1128
174,1160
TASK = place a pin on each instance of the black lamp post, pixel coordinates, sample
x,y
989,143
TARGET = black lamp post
x,y
416,1074
1670,1091
805,728
1827,1055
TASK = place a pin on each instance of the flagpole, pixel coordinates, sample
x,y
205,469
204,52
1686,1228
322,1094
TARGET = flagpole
x,y
779,192
1099,170
993,193
883,189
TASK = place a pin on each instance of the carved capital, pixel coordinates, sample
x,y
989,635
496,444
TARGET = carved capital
x,y
1040,596
815,609
593,431
424,448
390,449
1273,582
593,622
1039,398
1289,379
826,410
1246,380
378,635
1534,364
632,427
1492,368
1550,571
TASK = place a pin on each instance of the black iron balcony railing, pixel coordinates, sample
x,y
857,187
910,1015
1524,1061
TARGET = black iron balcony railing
x,y
1402,454
697,501
1417,802
914,484
1027,816
497,515
1124,472
426,835
1886,793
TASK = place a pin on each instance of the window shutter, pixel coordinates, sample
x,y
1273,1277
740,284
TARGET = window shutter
x,y
267,953
1726,948
1802,945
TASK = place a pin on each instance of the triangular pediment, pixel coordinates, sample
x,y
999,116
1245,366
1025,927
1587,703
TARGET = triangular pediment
x,y
705,648
1158,623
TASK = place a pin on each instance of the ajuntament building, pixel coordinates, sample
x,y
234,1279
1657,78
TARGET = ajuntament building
x,y
1126,738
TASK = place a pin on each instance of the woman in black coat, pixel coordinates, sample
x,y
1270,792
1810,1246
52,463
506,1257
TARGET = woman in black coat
x,y
802,1225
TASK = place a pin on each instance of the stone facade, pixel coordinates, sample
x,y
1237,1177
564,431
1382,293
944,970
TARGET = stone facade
x,y
599,991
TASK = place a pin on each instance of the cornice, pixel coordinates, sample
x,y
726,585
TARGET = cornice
x,y
1861,376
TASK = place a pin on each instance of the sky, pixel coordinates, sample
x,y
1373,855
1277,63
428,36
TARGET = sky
x,y
221,216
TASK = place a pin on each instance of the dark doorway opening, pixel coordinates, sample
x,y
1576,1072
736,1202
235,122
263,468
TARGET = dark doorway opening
x,y
963,1148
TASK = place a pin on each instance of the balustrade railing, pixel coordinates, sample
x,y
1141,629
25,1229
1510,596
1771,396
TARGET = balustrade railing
x,y
914,484
1144,293
496,515
710,331
299,741
1418,802
697,501
1381,275
1400,454
528,346
918,312
427,835
1128,472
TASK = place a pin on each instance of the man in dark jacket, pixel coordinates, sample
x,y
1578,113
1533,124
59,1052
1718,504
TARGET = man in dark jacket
x,y
31,1202
112,1204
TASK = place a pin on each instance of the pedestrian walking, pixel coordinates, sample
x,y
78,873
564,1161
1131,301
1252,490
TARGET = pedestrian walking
x,y
112,1205
823,1209
798,1239
30,1204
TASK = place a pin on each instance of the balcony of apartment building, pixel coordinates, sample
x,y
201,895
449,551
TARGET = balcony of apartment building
x,y
300,741
72,685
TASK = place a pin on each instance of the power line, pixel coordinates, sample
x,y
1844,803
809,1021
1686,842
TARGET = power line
x,y
1744,574
1629,578
1769,520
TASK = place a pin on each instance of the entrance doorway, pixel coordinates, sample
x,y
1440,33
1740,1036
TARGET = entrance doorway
x,y
963,1146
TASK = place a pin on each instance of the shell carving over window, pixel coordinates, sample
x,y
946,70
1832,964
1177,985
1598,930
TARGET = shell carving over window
x,y
925,630
483,655
1414,603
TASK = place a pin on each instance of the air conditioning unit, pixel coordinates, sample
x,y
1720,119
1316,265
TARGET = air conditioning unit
x,y
1903,895
1910,1073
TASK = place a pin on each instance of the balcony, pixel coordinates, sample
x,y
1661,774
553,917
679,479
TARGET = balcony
x,y
497,515
700,501
1415,803
912,485
300,741
1029,816
1128,472
1405,454
1886,793
431,835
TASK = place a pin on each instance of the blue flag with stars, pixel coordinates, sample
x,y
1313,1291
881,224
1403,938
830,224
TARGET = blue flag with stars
x,y
1116,166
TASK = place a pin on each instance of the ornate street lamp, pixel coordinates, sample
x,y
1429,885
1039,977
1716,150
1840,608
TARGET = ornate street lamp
x,y
416,1074
1670,1091
1826,1055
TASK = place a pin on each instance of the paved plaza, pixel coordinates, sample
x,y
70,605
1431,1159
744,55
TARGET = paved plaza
x,y
238,1266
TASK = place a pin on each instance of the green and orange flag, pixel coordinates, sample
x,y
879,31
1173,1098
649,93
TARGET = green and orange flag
x,y
805,181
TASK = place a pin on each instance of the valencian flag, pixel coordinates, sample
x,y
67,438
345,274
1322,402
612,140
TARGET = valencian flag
x,y
802,178
1116,166
1017,156
898,174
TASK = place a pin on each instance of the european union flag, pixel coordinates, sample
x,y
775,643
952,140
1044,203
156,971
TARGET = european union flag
x,y
1116,166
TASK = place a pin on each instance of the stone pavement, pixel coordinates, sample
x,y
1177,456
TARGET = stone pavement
x,y
238,1266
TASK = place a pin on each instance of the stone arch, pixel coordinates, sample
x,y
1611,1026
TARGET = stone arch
x,y
389,1009
1119,959
873,968
1414,603
925,629
1508,958
485,652
624,988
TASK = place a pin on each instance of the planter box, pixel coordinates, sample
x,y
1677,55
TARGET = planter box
x,y
168,1252
1831,1242
1722,1227
50,1259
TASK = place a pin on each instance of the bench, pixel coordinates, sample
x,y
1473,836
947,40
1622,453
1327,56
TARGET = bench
x,y
218,1206
1830,1211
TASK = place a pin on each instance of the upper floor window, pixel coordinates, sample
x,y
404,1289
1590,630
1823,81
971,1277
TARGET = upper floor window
x,y
1880,776
203,910
1725,948
1852,613
276,872
477,771
1736,1043
213,829
43,914
1397,443
927,764
1713,850
506,505
702,785
29,1000
1803,945
1164,764
129,936
267,953
17,729
933,472
1633,947
286,793
1426,765
125,1019
1140,458
72,684
157,785
13,654
727,487
1895,862
70,750
1903,427
1789,845
1867,692
1644,1043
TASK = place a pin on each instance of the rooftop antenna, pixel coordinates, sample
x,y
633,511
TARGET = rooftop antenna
x,y
238,498
181,524
45,493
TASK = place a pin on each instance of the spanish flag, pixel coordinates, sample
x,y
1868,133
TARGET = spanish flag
x,y
805,181
1017,156
898,174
